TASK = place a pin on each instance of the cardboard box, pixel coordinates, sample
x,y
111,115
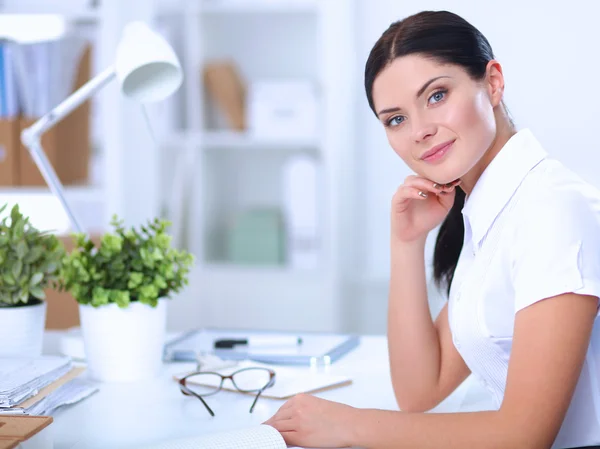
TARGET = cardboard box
x,y
226,88
28,173
67,144
9,155
62,311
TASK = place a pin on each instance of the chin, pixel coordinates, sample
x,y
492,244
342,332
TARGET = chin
x,y
443,178
445,173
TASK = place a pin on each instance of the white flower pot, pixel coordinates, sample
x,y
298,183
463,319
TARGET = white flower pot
x,y
124,345
22,330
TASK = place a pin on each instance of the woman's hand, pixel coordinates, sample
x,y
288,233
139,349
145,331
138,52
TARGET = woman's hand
x,y
308,421
418,206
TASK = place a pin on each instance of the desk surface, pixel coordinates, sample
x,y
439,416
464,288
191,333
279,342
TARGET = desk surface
x,y
133,415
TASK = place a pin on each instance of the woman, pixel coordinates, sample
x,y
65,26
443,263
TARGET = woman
x,y
518,251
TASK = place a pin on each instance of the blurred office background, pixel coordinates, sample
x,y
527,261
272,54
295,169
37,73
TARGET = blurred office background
x,y
268,161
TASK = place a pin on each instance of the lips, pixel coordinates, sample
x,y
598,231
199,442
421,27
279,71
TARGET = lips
x,y
429,153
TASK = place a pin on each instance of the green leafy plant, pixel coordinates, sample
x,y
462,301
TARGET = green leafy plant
x,y
30,260
128,265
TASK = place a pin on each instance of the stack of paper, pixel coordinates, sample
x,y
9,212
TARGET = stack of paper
x,y
38,386
71,392
23,377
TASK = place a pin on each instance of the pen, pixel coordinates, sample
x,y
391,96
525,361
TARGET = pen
x,y
255,342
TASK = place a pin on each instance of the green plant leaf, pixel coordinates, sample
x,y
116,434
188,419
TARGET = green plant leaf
x,y
9,279
100,297
38,293
16,269
22,249
36,279
34,254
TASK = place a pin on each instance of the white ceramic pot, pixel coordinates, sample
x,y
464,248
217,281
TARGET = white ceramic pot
x,y
22,330
124,345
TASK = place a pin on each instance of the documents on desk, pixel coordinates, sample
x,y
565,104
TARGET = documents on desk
x,y
259,437
315,349
39,385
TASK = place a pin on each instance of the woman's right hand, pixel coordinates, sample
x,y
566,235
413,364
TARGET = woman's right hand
x,y
418,206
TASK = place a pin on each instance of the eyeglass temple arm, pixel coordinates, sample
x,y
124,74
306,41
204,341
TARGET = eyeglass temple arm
x,y
271,382
190,392
256,399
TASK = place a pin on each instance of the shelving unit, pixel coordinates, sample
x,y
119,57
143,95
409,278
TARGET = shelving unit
x,y
208,173
231,140
229,172
257,7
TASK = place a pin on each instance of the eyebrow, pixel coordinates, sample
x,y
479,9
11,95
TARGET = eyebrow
x,y
419,93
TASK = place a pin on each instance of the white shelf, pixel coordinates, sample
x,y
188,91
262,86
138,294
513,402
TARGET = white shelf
x,y
72,15
237,140
79,194
215,269
258,6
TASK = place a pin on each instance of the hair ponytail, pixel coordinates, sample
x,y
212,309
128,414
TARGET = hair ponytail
x,y
449,243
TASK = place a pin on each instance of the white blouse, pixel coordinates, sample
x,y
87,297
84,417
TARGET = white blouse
x,y
532,231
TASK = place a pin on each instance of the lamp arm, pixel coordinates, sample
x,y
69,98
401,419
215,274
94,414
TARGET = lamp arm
x,y
39,157
32,137
69,104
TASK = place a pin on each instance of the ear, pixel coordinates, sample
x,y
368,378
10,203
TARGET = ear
x,y
495,82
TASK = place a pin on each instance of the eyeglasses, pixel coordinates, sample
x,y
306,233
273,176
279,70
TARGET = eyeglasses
x,y
247,380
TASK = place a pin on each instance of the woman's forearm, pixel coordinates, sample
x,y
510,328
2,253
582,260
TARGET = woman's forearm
x,y
414,348
380,429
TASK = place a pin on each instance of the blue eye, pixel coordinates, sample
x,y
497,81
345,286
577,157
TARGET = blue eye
x,y
438,96
395,121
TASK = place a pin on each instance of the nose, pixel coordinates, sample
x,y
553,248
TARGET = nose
x,y
422,130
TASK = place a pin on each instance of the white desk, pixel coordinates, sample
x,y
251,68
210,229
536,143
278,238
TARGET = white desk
x,y
134,415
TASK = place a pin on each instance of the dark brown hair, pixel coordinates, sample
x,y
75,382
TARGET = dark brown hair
x,y
448,39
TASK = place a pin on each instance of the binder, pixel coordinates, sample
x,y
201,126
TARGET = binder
x,y
316,349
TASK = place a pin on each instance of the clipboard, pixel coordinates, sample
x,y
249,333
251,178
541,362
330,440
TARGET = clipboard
x,y
316,349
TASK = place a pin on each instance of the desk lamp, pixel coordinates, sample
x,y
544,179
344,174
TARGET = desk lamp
x,y
147,70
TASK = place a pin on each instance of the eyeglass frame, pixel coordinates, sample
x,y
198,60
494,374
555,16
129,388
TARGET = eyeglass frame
x,y
189,392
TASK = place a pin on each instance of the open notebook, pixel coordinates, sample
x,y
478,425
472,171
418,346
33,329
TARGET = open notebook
x,y
259,437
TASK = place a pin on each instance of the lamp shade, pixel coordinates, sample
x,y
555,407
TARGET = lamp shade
x,y
146,65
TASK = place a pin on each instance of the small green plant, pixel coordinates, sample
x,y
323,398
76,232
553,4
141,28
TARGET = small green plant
x,y
30,260
128,265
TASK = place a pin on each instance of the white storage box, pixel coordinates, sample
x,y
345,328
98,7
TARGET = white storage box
x,y
282,110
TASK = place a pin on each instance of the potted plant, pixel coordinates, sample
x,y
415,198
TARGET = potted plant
x,y
30,261
122,286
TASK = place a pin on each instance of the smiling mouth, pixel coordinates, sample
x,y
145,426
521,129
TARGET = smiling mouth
x,y
437,152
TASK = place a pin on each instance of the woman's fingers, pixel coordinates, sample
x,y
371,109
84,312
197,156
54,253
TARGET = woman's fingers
x,y
284,425
405,192
428,186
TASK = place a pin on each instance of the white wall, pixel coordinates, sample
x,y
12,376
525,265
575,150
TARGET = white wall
x,y
549,55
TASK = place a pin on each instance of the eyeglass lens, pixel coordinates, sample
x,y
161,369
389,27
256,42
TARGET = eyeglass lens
x,y
248,380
